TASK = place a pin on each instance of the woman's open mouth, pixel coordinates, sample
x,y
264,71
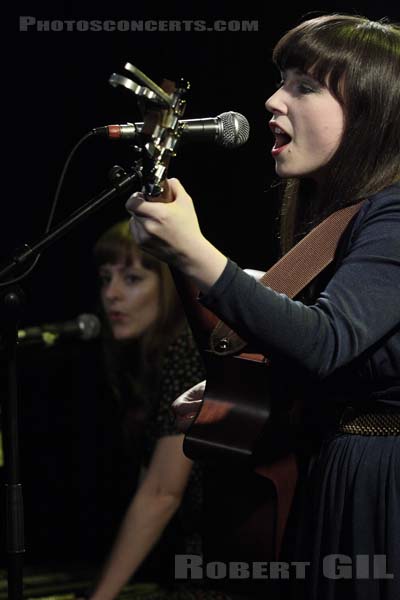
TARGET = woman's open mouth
x,y
282,139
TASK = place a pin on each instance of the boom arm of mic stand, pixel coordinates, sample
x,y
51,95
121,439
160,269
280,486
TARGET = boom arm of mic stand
x,y
123,182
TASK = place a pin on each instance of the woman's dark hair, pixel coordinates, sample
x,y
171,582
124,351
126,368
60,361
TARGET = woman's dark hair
x,y
359,61
133,367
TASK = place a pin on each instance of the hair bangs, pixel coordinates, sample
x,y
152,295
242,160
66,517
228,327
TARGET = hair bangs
x,y
313,48
112,252
115,245
296,51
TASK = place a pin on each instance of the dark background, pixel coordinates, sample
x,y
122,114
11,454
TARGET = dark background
x,y
56,87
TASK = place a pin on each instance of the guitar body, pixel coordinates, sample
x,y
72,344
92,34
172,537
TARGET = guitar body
x,y
245,441
235,409
238,421
247,498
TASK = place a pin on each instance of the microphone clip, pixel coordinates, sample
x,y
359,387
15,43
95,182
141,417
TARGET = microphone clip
x,y
161,129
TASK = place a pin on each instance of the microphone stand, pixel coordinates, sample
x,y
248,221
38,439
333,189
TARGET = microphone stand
x,y
11,302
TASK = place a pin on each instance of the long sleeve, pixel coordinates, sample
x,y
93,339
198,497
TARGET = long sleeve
x,y
342,323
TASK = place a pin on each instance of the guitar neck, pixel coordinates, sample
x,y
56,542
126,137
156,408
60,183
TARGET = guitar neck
x,y
201,320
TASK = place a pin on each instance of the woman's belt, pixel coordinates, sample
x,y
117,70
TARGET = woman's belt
x,y
377,421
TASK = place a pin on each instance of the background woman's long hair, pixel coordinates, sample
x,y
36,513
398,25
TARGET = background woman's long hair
x,y
133,367
359,60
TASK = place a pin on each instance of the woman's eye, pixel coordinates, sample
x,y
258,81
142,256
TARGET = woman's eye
x,y
104,279
305,88
302,87
131,278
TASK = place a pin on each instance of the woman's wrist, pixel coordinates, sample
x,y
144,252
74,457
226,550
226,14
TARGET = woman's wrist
x,y
204,264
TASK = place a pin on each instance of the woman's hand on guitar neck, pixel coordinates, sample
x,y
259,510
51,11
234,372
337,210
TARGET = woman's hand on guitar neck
x,y
187,406
169,229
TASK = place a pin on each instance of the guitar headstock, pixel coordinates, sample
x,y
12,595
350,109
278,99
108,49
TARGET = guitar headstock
x,y
162,108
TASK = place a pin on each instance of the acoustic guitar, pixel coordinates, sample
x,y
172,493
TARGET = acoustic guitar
x,y
247,500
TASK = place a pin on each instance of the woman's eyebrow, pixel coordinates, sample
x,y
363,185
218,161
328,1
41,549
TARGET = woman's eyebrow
x,y
298,73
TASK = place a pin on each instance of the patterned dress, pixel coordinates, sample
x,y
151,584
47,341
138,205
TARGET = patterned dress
x,y
182,368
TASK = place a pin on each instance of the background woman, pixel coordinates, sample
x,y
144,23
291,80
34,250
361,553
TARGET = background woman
x,y
150,358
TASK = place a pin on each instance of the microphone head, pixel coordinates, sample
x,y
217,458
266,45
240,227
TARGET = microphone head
x,y
89,326
235,130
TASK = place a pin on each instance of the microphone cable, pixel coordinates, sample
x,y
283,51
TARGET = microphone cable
x,y
52,209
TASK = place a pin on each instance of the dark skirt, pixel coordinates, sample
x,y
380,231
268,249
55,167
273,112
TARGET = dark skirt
x,y
349,530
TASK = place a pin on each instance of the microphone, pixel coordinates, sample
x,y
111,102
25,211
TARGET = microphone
x,y
229,129
84,327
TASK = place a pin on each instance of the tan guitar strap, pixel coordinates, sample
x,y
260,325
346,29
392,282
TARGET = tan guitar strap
x,y
294,271
289,276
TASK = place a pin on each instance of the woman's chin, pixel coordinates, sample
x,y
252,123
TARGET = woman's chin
x,y
121,334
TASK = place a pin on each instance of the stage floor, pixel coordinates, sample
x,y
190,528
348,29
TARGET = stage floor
x,y
70,583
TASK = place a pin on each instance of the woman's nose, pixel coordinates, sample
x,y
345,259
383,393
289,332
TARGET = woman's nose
x,y
275,104
113,289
